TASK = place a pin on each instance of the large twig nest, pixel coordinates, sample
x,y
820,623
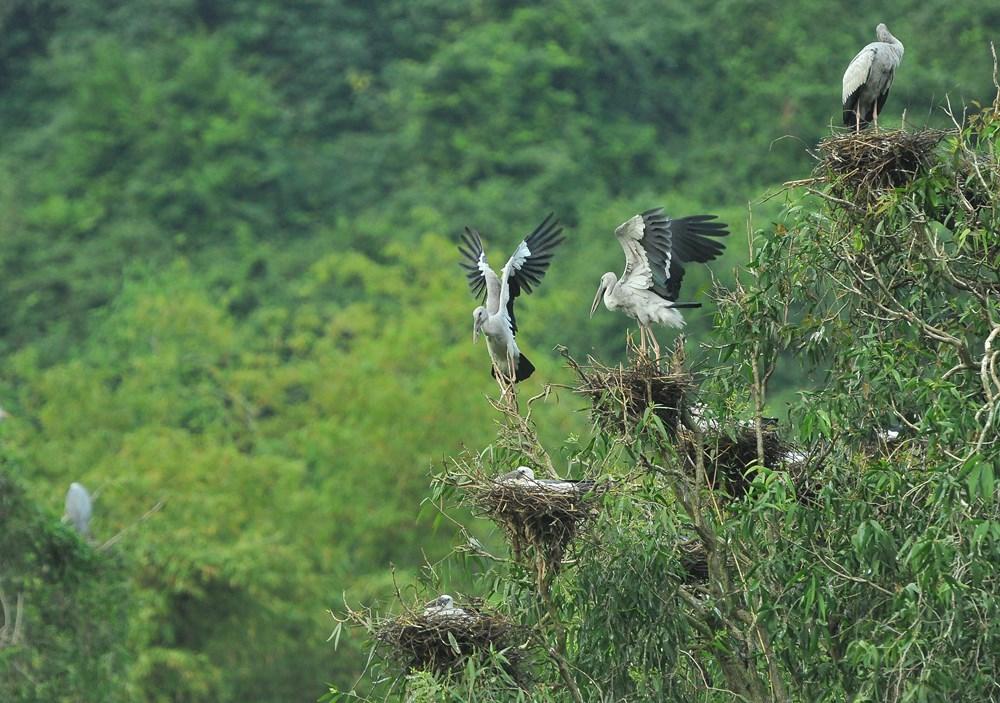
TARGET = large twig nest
x,y
621,395
694,560
539,517
728,454
443,644
862,166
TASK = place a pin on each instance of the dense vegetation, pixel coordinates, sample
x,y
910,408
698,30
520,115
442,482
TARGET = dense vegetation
x,y
229,284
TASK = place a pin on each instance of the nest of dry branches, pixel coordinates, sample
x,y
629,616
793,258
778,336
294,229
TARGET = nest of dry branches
x,y
538,520
694,560
862,166
443,644
620,396
728,455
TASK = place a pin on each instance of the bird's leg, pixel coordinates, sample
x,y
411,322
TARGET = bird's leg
x,y
875,114
656,347
510,377
642,340
857,121
499,378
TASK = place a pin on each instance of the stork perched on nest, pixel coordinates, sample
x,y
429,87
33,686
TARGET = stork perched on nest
x,y
444,607
495,318
524,476
868,78
656,247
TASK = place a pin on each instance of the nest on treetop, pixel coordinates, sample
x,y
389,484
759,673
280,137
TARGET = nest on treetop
x,y
862,166
442,644
538,521
620,396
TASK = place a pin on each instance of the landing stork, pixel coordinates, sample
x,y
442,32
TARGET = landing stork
x,y
656,247
495,318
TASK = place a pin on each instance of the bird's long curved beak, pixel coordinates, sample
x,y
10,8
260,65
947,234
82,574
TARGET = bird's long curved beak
x,y
597,299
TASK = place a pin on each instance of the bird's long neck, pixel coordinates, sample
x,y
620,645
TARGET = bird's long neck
x,y
887,37
611,291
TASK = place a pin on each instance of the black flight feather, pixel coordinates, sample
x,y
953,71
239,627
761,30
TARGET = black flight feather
x,y
671,243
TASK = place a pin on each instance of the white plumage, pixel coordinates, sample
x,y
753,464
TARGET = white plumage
x,y
444,607
495,318
524,476
79,508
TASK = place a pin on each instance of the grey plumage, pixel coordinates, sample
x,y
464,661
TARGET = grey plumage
x,y
79,508
868,78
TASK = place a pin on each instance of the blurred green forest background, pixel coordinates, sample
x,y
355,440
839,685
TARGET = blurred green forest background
x,y
229,280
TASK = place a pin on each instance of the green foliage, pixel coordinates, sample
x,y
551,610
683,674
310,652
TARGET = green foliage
x,y
226,245
866,567
65,606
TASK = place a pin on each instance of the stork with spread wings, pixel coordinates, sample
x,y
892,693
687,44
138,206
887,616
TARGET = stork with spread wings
x,y
656,249
522,272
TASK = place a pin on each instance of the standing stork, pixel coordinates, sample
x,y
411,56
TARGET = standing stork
x,y
655,247
868,78
79,508
495,318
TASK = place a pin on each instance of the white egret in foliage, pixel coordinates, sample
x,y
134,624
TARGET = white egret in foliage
x,y
868,78
443,607
524,476
656,247
495,318
79,508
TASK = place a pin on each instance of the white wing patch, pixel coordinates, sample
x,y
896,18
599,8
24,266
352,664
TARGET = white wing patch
x,y
637,272
857,72
518,258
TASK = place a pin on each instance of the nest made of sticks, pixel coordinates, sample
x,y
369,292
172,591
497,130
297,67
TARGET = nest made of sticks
x,y
694,560
729,454
534,517
862,166
443,644
619,396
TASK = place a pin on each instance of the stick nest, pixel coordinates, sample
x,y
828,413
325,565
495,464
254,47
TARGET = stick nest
x,y
620,396
694,560
862,166
728,455
535,518
443,644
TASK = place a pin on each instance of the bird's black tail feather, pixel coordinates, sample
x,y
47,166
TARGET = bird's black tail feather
x,y
524,369
685,305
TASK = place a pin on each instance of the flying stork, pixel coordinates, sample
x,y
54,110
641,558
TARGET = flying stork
x,y
495,318
656,247
868,78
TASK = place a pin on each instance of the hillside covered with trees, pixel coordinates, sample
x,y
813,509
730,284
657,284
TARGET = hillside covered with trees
x,y
232,309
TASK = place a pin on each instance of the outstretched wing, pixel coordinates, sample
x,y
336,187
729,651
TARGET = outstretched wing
x,y
691,240
528,264
643,250
656,247
483,281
